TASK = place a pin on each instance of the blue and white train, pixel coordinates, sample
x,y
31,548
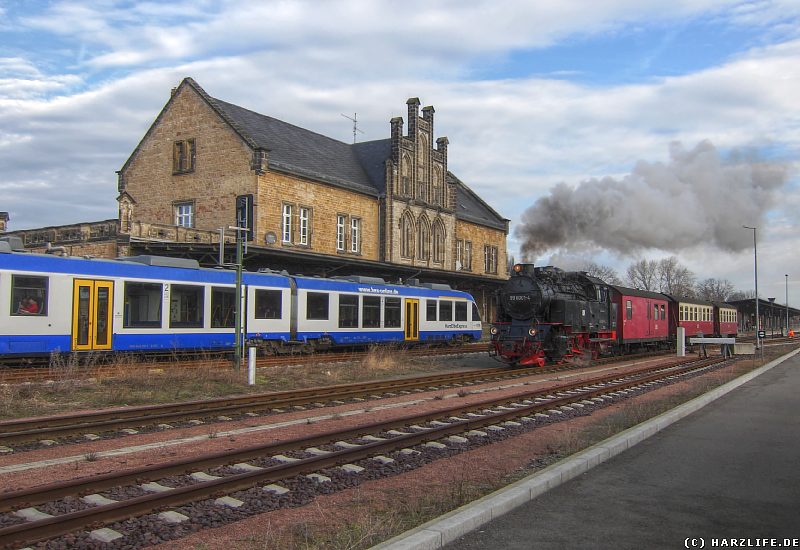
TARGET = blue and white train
x,y
148,303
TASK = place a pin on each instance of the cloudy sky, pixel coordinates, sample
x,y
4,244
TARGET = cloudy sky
x,y
598,125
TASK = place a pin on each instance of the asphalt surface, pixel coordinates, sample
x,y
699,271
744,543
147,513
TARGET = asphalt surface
x,y
728,475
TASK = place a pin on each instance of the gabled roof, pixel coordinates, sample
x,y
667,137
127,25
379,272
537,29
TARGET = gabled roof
x,y
360,167
470,207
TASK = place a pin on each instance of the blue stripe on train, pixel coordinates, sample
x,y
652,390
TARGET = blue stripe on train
x,y
20,345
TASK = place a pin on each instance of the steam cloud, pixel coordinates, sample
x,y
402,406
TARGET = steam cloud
x,y
697,198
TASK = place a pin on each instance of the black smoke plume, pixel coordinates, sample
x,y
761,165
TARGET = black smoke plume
x,y
697,198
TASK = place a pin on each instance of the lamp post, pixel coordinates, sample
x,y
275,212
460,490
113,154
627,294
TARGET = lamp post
x,y
787,304
755,263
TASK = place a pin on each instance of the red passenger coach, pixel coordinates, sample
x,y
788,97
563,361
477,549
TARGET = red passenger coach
x,y
726,322
641,318
696,316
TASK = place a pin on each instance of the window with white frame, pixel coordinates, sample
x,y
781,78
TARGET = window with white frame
x,y
355,235
286,226
184,214
340,231
303,226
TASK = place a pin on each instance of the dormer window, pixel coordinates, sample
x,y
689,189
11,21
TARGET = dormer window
x,y
183,153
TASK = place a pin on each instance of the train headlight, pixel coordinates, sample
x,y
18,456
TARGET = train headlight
x,y
532,331
493,331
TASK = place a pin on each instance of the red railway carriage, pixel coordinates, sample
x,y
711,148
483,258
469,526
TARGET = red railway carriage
x,y
726,322
696,316
641,317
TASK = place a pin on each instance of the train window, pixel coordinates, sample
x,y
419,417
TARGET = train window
x,y
461,311
142,305
223,307
663,313
317,306
186,306
445,310
268,304
655,312
628,309
348,311
476,316
28,295
430,311
371,311
391,313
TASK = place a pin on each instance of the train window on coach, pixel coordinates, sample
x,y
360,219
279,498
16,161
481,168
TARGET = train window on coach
x,y
223,307
476,316
28,295
663,313
317,306
186,306
268,304
445,310
142,305
348,311
391,313
371,311
430,310
628,310
461,311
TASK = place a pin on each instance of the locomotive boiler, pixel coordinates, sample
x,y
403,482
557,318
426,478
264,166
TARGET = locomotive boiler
x,y
545,314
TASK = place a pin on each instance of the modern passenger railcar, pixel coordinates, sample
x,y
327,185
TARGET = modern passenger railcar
x,y
54,304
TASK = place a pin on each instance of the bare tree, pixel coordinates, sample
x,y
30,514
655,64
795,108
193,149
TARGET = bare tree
x,y
675,279
603,272
715,290
643,274
742,295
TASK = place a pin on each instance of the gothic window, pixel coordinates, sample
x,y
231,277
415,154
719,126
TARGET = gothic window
x,y
438,187
438,241
405,176
423,239
407,236
423,185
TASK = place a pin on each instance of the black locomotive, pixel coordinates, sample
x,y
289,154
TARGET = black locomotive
x,y
546,314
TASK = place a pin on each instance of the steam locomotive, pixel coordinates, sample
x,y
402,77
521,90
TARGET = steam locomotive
x,y
545,315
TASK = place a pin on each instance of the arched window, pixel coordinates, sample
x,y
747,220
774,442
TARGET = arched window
x,y
405,177
438,187
423,238
407,235
423,185
438,241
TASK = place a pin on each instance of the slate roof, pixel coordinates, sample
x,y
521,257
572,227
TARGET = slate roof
x,y
359,167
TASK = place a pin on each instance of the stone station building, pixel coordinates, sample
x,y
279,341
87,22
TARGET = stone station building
x,y
313,205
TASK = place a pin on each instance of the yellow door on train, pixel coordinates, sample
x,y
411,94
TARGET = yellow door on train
x,y
412,319
92,305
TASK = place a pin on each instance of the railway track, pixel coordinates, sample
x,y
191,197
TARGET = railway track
x,y
61,369
249,477
15,432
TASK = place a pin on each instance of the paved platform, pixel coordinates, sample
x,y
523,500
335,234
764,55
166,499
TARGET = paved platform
x,y
720,471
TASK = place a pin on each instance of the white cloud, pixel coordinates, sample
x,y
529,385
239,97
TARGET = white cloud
x,y
309,62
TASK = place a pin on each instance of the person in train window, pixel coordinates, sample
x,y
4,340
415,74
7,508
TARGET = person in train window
x,y
28,306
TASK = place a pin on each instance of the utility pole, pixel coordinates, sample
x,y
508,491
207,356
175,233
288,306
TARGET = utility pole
x,y
237,311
